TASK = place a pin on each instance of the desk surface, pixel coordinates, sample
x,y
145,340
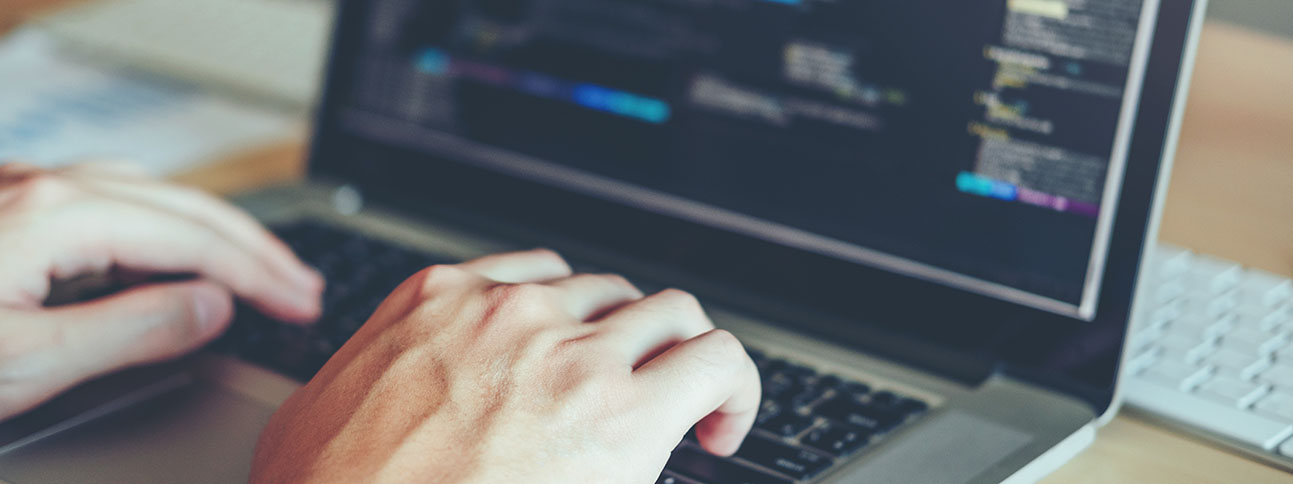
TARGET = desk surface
x,y
1231,195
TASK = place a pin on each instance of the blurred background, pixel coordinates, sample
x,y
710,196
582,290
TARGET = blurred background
x,y
1272,16
212,78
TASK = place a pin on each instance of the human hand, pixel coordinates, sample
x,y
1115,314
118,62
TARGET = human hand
x,y
509,369
96,218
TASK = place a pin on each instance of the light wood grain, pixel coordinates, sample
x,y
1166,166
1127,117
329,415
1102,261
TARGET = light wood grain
x,y
1232,189
1231,195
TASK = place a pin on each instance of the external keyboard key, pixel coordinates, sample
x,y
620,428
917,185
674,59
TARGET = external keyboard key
x,y
1180,342
1174,374
709,469
1167,261
1231,359
1253,341
1278,405
1280,375
1233,391
1286,449
1213,275
797,463
1264,289
1242,425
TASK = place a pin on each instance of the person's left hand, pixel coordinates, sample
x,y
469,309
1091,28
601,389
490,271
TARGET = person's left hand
x,y
97,218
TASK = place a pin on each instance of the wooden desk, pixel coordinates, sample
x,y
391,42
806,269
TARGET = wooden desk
x,y
1231,195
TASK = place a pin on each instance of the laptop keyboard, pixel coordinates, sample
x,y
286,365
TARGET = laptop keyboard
x,y
360,271
1212,346
808,422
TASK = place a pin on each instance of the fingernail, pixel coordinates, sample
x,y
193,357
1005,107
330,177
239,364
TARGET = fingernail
x,y
206,309
308,278
310,304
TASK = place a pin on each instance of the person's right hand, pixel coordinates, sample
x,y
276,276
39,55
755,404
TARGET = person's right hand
x,y
510,369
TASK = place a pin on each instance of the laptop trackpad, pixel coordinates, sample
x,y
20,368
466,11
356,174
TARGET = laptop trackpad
x,y
956,447
201,433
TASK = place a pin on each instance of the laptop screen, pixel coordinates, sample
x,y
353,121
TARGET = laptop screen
x,y
980,147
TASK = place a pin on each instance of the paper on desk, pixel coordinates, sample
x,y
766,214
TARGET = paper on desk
x,y
56,110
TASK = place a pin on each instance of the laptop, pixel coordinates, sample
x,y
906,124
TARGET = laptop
x,y
924,219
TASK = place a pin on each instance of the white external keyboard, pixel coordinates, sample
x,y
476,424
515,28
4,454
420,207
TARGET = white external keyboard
x,y
270,49
1211,349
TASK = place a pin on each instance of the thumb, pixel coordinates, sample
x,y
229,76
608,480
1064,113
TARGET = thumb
x,y
141,325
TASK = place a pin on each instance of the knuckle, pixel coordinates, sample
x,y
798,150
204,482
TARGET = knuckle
x,y
683,301
617,280
550,255
524,302
437,277
523,293
724,346
191,195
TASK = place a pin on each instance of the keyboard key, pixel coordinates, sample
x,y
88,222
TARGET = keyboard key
x,y
1175,374
1264,289
797,463
359,271
1279,375
709,469
884,398
829,381
788,424
1242,425
804,397
1273,321
1180,342
767,411
1167,261
911,405
781,386
1231,359
1233,391
1276,404
837,439
871,418
798,371
1253,341
852,388
1213,275
1286,448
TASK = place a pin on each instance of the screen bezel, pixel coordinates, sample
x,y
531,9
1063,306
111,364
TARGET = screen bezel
x,y
942,329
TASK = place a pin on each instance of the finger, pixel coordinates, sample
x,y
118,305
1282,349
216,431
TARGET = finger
x,y
537,265
227,221
106,167
17,170
708,381
587,296
642,329
109,232
141,325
